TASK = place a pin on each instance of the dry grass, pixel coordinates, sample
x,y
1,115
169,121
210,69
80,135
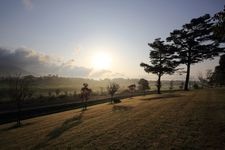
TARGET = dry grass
x,y
184,120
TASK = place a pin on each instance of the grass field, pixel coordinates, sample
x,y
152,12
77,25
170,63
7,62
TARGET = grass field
x,y
181,120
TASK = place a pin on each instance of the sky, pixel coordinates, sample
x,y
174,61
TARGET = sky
x,y
93,38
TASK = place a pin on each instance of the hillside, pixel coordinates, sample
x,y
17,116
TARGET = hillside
x,y
182,120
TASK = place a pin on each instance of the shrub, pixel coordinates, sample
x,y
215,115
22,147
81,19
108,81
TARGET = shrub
x,y
57,92
196,86
116,100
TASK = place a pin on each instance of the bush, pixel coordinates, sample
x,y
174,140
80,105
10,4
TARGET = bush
x,y
116,100
196,86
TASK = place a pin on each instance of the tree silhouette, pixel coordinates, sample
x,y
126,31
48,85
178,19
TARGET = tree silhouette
x,y
194,43
85,93
219,27
132,88
218,76
19,89
143,85
57,92
162,60
112,89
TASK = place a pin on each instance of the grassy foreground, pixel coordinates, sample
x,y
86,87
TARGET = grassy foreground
x,y
181,120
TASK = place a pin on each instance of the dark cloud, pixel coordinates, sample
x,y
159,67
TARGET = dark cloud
x,y
22,57
27,61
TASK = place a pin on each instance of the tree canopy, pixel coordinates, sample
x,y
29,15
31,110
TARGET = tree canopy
x,y
143,85
194,43
219,26
162,60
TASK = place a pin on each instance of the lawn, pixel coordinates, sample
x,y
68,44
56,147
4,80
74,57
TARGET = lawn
x,y
180,120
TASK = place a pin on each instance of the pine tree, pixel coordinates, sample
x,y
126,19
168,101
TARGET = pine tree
x,y
161,59
219,26
194,43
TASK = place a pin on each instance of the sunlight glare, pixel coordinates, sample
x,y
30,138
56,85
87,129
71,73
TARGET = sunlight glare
x,y
101,60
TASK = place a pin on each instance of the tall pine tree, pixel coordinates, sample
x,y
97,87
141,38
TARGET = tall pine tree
x,y
193,43
161,59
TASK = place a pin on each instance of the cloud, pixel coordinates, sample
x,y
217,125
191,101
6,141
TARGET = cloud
x,y
99,73
30,61
70,63
28,4
102,74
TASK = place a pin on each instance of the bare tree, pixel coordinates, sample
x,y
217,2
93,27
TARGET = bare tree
x,y
85,93
19,89
132,88
112,89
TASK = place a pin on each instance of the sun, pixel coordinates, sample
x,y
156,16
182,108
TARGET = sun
x,y
101,60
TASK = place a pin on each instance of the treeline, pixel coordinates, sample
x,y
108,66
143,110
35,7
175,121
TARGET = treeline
x,y
55,81
200,39
52,84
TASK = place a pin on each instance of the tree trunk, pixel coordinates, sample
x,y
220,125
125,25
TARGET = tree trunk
x,y
159,84
159,75
18,113
188,70
187,78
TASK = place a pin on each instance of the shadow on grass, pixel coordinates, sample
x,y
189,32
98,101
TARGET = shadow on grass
x,y
69,123
55,133
121,108
162,97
